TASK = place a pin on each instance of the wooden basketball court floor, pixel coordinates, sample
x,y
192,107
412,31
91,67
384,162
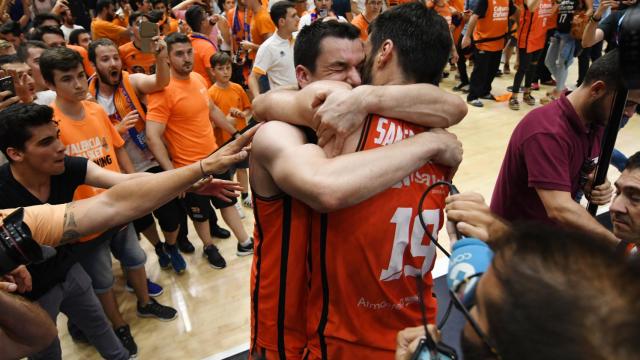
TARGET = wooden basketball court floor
x,y
213,305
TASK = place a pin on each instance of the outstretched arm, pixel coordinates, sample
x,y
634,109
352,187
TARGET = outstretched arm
x,y
146,84
131,199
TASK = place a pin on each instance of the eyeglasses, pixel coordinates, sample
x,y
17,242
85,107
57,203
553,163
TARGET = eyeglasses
x,y
429,349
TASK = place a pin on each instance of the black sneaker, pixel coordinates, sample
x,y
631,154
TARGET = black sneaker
x,y
245,250
163,258
185,245
488,97
216,260
157,310
124,335
463,87
218,232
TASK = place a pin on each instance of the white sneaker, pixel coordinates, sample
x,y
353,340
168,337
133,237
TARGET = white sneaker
x,y
240,211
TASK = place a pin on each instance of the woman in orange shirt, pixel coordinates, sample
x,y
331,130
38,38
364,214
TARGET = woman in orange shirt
x,y
532,32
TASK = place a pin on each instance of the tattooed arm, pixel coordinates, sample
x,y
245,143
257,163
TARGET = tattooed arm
x,y
134,198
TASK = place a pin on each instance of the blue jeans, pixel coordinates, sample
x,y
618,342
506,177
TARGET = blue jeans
x,y
559,57
97,262
618,159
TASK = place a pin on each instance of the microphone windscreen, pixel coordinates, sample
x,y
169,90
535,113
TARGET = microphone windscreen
x,y
470,258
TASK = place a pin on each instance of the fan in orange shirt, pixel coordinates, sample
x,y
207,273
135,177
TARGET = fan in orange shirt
x,y
234,103
133,59
261,25
103,27
201,25
536,19
239,19
372,9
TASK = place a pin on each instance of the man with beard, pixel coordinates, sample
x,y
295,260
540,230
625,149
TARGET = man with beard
x,y
552,151
121,95
286,167
179,132
103,27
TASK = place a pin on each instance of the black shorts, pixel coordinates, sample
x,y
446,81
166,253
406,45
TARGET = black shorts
x,y
168,215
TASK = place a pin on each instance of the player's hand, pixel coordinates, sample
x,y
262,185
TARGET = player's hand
x,y
408,339
602,194
232,153
473,216
224,190
466,41
231,120
21,277
339,116
128,122
450,153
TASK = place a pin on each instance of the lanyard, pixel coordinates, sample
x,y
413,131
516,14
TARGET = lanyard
x,y
201,37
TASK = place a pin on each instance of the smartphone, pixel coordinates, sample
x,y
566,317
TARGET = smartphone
x,y
323,13
443,352
6,84
147,30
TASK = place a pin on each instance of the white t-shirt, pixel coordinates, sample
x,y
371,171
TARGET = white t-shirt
x,y
275,59
142,160
67,31
45,97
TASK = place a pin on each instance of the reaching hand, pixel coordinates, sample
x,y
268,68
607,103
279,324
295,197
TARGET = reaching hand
x,y
602,194
233,152
473,216
222,189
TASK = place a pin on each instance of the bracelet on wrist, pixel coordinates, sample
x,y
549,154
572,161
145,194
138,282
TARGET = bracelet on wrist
x,y
594,19
204,174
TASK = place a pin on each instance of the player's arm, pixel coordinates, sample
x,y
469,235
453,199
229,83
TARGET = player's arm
x,y
326,184
25,328
146,84
132,199
155,131
218,118
563,210
103,178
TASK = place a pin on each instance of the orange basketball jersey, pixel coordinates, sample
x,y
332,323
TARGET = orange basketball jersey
x,y
279,277
365,260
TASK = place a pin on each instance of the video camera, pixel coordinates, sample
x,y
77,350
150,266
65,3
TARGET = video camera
x,y
17,246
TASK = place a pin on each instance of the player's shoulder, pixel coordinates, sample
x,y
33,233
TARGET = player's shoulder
x,y
278,134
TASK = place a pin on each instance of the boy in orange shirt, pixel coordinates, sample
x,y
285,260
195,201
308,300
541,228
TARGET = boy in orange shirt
x,y
235,104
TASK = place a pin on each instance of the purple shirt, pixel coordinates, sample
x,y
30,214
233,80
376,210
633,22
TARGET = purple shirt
x,y
546,151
